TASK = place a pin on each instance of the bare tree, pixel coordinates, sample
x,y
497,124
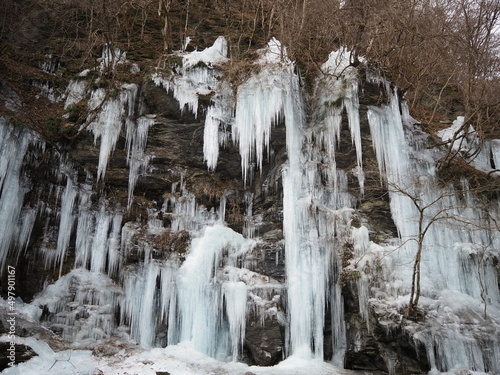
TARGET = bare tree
x,y
427,217
164,7
432,209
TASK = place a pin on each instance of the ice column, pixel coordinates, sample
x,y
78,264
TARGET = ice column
x,y
200,298
140,303
13,147
137,137
85,228
66,222
317,212
218,118
235,301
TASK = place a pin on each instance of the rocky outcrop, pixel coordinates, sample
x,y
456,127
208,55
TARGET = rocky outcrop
x,y
23,328
264,341
382,348
21,353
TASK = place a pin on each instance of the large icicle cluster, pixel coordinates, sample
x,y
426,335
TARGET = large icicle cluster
x,y
108,122
458,280
16,223
338,89
195,76
82,304
198,76
201,297
260,103
270,95
80,294
108,110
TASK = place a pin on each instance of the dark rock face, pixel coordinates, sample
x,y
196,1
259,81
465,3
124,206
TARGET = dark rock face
x,y
265,341
21,353
24,328
272,259
376,348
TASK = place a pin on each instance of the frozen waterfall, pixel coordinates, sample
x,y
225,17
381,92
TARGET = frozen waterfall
x,y
175,273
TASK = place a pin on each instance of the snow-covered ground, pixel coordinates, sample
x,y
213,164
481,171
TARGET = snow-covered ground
x,y
179,359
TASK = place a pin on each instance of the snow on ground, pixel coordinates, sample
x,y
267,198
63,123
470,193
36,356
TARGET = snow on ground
x,y
130,359
182,359
49,362
179,359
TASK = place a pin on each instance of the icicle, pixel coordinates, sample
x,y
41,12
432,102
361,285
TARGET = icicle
x,y
98,237
66,222
211,138
13,147
110,58
196,75
129,230
339,340
28,217
137,137
75,92
114,255
222,208
99,248
84,229
218,118
235,302
168,297
249,224
186,214
50,65
108,123
140,303
361,246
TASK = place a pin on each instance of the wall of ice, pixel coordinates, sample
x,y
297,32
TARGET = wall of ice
x,y
269,96
459,286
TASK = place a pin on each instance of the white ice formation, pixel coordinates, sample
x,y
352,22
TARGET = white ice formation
x,y
205,295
